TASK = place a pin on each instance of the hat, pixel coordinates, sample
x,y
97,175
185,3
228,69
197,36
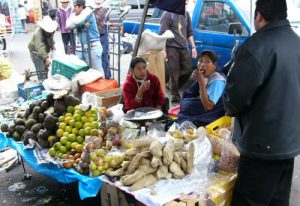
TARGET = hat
x,y
79,2
64,1
48,24
271,6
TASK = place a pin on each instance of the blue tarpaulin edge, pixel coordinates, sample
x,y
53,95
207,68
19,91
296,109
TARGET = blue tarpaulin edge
x,y
87,186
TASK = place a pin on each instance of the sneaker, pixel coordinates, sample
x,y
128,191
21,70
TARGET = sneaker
x,y
175,99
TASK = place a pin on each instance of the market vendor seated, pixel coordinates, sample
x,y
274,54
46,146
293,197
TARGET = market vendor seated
x,y
142,88
202,102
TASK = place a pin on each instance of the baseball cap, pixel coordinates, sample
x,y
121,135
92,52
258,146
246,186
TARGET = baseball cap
x,y
79,2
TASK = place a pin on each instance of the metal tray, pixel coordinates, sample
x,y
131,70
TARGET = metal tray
x,y
142,114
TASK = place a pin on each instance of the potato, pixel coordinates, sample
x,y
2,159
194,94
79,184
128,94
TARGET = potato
x,y
176,170
132,152
133,164
178,144
183,165
156,148
144,182
119,172
145,161
168,152
131,179
190,158
125,165
142,143
147,169
162,172
156,162
177,158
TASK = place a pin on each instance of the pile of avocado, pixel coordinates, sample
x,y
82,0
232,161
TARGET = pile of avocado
x,y
39,121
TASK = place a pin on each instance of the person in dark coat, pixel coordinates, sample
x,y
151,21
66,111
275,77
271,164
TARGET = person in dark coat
x,y
263,94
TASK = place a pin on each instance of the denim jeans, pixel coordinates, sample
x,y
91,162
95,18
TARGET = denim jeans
x,y
68,38
96,57
39,65
105,55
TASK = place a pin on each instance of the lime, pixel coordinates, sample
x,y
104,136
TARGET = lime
x,y
87,130
72,122
72,138
79,148
50,138
73,145
60,155
70,109
62,125
59,132
77,107
95,116
68,129
81,132
67,120
88,114
84,119
61,118
68,114
68,145
75,131
90,119
87,125
94,132
64,140
66,134
63,149
80,139
78,125
94,125
77,117
52,152
57,146
94,110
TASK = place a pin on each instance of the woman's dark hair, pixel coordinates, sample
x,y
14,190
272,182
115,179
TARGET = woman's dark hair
x,y
271,9
135,61
211,55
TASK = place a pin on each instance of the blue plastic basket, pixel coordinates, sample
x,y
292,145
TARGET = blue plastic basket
x,y
31,92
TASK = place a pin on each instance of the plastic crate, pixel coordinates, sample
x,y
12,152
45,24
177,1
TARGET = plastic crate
x,y
66,70
219,123
100,85
173,112
30,92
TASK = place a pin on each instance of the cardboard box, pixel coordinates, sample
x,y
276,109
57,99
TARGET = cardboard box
x,y
110,97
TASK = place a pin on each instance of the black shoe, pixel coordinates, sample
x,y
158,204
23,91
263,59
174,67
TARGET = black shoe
x,y
175,99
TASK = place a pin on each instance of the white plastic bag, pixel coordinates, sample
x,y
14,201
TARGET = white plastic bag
x,y
57,82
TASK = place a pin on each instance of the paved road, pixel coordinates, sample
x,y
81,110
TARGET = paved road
x,y
56,193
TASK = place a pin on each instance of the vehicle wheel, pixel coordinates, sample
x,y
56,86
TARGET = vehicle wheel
x,y
2,43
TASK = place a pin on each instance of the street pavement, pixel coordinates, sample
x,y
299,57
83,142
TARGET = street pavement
x,y
42,190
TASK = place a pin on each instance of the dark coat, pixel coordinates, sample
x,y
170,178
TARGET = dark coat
x,y
263,93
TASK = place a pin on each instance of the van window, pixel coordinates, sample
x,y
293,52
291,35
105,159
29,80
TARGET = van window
x,y
217,16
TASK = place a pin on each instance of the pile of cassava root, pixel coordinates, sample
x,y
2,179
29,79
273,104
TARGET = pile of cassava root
x,y
150,160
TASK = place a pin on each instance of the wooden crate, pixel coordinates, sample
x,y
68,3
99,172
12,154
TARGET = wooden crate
x,y
110,97
156,65
189,200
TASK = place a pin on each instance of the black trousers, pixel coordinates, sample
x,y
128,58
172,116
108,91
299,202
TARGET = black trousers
x,y
263,182
68,38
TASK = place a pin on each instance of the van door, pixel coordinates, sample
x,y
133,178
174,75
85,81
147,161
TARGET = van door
x,y
212,26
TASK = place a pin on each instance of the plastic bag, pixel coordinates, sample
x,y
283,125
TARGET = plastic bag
x,y
175,131
89,99
57,82
9,89
189,130
118,112
230,155
156,130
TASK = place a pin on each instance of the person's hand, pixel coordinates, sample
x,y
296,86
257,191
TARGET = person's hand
x,y
198,75
145,86
194,52
47,61
165,55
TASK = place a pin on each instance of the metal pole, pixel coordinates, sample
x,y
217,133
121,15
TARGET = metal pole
x,y
137,43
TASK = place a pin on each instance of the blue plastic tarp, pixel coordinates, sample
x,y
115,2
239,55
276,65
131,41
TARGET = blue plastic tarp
x,y
87,186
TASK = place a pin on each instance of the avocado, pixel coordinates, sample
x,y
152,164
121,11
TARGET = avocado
x,y
71,100
34,116
27,113
19,121
43,134
29,123
20,129
37,110
42,117
4,127
16,136
32,105
50,99
20,115
59,107
45,105
36,128
43,143
11,129
50,123
28,135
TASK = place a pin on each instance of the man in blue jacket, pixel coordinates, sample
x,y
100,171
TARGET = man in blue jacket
x,y
263,94
88,35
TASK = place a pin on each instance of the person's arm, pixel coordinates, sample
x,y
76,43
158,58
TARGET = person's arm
x,y
40,47
244,79
165,25
77,20
194,50
190,35
206,102
57,18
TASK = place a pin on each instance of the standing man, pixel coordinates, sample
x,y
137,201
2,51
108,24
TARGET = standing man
x,y
179,61
40,46
87,32
263,94
102,23
45,7
62,14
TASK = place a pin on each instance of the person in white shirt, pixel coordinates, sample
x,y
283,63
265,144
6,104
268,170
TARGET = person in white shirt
x,y
23,16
